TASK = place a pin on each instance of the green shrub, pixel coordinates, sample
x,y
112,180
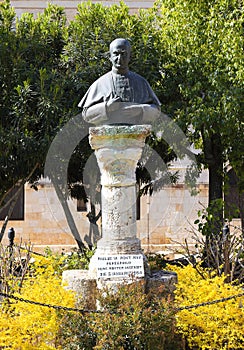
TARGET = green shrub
x,y
130,320
69,261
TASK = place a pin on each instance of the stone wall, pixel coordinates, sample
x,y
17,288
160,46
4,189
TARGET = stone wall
x,y
45,223
166,218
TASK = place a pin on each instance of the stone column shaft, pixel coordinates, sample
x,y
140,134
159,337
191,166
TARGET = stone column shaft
x,y
118,149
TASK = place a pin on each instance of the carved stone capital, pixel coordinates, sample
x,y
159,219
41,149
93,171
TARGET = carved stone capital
x,y
118,149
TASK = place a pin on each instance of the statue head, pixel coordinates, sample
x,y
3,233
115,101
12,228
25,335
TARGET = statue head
x,y
120,52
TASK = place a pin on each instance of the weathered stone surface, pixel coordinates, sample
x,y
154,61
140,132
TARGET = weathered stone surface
x,y
116,132
159,283
163,283
83,285
118,149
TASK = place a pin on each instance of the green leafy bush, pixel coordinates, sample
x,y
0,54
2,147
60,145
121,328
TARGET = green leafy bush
x,y
130,320
72,260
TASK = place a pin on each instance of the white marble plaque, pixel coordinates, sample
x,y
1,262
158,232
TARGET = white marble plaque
x,y
120,266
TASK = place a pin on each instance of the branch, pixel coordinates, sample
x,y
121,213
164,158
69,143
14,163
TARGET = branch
x,y
13,200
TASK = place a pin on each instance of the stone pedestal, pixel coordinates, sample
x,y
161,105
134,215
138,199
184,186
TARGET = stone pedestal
x,y
118,148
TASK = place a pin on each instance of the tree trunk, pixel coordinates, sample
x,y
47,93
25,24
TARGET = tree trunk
x,y
94,233
214,159
241,206
69,217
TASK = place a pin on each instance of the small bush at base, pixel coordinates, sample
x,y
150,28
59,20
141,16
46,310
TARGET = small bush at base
x,y
130,320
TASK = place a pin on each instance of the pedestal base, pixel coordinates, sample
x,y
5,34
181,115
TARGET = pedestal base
x,y
162,283
83,285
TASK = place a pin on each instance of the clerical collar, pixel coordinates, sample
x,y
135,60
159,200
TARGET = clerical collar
x,y
115,71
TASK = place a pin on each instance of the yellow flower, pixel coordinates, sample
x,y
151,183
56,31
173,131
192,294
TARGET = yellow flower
x,y
217,326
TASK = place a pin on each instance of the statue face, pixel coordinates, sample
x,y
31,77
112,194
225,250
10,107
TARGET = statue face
x,y
120,55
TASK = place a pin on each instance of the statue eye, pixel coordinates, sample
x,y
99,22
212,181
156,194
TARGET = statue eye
x,y
123,53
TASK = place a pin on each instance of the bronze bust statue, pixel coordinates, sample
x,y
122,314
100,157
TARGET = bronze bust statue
x,y
120,96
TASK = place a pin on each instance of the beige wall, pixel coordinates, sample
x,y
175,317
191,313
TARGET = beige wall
x,y
70,6
171,213
165,216
45,223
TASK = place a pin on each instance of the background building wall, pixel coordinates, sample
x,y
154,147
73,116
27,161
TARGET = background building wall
x,y
70,6
166,219
45,223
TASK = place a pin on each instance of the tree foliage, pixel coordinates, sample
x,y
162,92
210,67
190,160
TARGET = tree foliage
x,y
205,42
32,96
191,53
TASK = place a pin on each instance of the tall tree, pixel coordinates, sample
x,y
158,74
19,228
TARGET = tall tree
x,y
33,102
205,42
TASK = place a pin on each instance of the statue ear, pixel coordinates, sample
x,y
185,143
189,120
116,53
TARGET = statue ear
x,y
129,57
107,55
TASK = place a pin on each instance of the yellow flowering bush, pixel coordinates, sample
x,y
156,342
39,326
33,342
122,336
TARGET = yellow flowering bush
x,y
140,321
218,326
26,326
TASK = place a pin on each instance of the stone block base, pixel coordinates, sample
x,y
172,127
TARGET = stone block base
x,y
86,288
162,283
83,285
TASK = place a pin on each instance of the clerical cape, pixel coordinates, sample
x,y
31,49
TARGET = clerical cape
x,y
104,89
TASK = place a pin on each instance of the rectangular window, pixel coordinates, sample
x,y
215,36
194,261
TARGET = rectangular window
x,y
81,205
19,210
